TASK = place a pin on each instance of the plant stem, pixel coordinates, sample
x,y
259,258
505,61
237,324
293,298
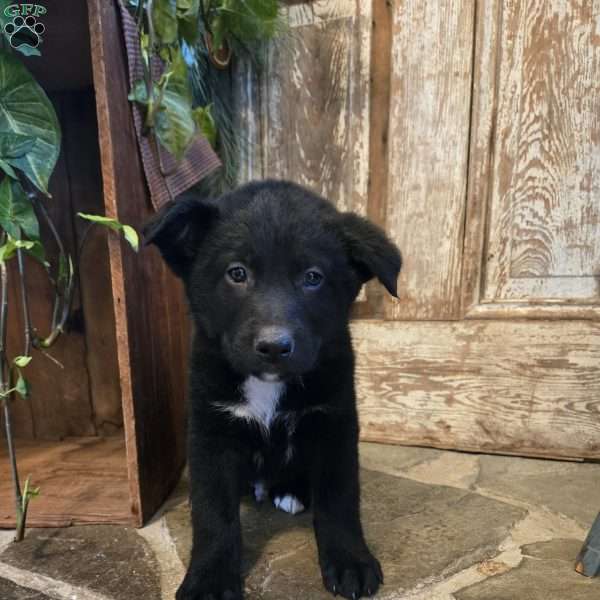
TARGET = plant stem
x,y
28,333
20,529
147,67
58,297
63,298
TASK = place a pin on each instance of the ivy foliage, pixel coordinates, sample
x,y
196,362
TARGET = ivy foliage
x,y
246,21
170,32
29,130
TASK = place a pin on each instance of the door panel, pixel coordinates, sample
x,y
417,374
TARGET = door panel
x,y
540,181
314,102
499,386
432,55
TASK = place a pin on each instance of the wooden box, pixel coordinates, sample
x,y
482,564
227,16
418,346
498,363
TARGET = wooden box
x,y
103,432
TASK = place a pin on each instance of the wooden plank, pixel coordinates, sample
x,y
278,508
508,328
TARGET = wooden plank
x,y
245,101
489,386
532,310
152,366
429,134
80,139
542,215
316,101
481,142
379,117
65,61
82,480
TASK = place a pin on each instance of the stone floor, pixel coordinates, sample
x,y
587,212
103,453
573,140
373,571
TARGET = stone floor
x,y
445,526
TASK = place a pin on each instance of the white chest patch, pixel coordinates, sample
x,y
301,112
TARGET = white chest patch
x,y
262,398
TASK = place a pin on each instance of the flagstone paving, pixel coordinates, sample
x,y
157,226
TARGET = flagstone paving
x,y
445,526
14,592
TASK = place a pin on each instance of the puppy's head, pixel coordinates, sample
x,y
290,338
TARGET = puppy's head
x,y
271,271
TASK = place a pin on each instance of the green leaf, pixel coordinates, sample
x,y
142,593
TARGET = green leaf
x,y
16,211
26,110
22,387
187,15
206,123
187,7
11,246
14,145
139,93
28,493
21,361
8,169
164,17
100,220
174,123
218,28
34,248
37,252
249,20
33,492
129,233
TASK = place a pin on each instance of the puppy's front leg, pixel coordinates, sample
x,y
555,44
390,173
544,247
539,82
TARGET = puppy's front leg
x,y
214,570
347,565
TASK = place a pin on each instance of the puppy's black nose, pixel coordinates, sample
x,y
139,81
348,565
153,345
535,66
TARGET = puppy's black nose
x,y
274,343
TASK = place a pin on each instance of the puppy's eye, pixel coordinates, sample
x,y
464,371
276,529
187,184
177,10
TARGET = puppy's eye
x,y
237,274
313,278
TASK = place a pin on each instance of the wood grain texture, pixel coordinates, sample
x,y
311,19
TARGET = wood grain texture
x,y
306,114
543,214
480,150
97,317
65,61
373,305
83,480
149,311
492,386
315,102
429,125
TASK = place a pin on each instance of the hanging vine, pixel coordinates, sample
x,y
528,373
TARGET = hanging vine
x,y
195,42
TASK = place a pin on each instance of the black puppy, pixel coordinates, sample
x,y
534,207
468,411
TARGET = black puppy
x,y
270,272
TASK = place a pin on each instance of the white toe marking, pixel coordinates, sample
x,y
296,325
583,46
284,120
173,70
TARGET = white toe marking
x,y
260,491
289,504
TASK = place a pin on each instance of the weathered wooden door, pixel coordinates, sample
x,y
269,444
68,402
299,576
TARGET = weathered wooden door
x,y
471,131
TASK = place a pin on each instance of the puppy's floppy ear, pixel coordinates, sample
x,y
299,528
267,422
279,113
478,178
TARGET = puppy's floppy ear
x,y
371,253
178,229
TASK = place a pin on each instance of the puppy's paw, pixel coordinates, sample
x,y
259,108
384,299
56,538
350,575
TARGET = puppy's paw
x,y
351,576
203,585
260,491
289,504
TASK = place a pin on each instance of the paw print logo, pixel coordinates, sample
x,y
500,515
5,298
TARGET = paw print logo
x,y
24,31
